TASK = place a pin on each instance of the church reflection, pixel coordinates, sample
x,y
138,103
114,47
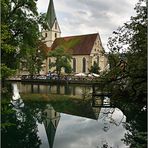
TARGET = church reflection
x,y
50,119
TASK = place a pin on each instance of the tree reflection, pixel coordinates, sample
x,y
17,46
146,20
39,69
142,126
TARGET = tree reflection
x,y
19,129
105,145
136,123
133,118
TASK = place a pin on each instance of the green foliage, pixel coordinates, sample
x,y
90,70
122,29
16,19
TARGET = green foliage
x,y
95,68
136,121
20,33
69,44
6,72
62,60
131,39
20,131
33,59
42,21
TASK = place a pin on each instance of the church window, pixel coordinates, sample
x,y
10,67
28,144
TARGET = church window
x,y
55,35
45,35
55,114
49,62
55,25
97,59
74,65
84,65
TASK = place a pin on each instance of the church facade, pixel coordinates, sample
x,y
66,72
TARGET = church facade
x,y
85,49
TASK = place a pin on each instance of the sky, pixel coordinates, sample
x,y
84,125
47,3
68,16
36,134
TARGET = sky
x,y
77,17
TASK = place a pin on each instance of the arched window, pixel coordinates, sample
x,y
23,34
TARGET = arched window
x,y
49,62
74,65
84,65
55,25
45,35
55,35
98,59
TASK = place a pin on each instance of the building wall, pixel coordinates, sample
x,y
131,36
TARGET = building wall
x,y
79,63
51,116
98,55
51,35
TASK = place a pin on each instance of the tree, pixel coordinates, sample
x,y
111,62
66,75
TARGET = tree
x,y
33,59
62,60
95,68
19,127
20,31
130,39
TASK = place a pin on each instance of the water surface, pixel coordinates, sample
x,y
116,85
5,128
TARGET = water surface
x,y
39,125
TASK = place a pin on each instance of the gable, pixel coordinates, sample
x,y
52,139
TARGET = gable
x,y
97,48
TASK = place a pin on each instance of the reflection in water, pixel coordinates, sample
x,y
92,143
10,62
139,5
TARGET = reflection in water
x,y
74,131
51,120
39,125
16,94
17,102
48,128
54,89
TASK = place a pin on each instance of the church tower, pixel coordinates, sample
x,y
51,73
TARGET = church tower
x,y
54,30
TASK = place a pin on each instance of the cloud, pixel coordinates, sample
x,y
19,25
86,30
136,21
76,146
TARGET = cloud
x,y
89,16
74,131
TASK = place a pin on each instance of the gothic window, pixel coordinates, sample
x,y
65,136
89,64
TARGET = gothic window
x,y
74,65
97,59
45,35
84,65
55,114
49,62
55,25
55,35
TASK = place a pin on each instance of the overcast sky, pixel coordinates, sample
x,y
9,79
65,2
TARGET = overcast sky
x,y
77,17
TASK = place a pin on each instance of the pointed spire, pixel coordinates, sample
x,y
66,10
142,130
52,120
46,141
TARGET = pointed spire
x,y
51,16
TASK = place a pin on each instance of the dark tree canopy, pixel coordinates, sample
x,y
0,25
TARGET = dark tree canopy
x,y
20,33
62,60
94,68
128,54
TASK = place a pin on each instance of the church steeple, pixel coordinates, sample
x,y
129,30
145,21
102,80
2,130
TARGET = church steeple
x,y
51,16
54,30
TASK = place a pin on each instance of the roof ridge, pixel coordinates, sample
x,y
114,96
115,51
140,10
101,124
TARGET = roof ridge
x,y
79,35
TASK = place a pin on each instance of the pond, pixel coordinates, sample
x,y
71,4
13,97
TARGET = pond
x,y
44,125
76,90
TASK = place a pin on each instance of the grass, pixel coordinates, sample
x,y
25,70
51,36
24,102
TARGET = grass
x,y
47,98
62,103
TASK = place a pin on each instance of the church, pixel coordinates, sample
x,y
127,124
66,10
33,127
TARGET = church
x,y
85,49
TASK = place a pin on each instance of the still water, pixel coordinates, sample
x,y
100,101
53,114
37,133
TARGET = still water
x,y
39,125
54,89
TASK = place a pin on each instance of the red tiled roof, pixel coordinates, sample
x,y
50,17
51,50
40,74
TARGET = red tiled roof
x,y
76,45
